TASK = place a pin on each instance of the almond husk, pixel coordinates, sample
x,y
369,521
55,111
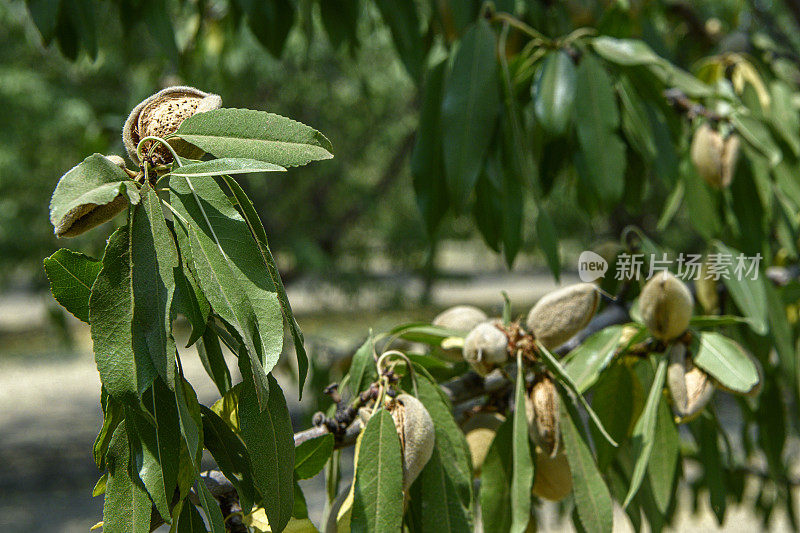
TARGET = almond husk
x,y
543,407
559,315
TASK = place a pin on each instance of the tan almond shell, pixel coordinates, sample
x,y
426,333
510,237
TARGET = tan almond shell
x,y
552,477
543,407
480,430
415,428
690,387
559,315
666,306
485,347
161,114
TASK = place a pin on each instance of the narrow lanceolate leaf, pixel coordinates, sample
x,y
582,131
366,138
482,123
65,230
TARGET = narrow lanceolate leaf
x,y
270,442
230,455
258,232
310,457
249,134
403,22
436,506
469,110
644,431
453,495
191,425
626,52
155,448
588,360
522,477
231,272
566,381
126,508
189,298
592,498
113,415
154,259
362,367
210,352
726,361
554,92
225,166
125,372
190,521
496,481
89,194
663,464
378,484
597,119
71,275
748,293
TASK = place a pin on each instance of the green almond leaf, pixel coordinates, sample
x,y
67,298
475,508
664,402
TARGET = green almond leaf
x,y
403,22
592,356
231,272
436,505
716,321
748,294
592,498
548,241
566,381
362,367
225,166
154,449
260,235
100,486
124,371
673,76
726,361
189,298
126,507
780,330
453,453
427,164
554,92
671,206
618,417
210,352
469,110
71,275
424,333
496,473
230,455
190,521
758,135
715,472
45,16
626,52
249,134
597,123
154,258
662,468
92,192
378,484
522,463
644,431
270,441
310,457
635,120
113,414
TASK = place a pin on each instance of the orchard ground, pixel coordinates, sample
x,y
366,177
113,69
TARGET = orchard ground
x,y
49,412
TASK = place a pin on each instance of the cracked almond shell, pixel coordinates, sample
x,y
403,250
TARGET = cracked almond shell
x,y
559,315
666,306
161,115
542,407
690,387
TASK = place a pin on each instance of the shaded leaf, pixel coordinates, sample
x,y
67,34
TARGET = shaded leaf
x,y
310,457
403,22
554,92
469,110
126,508
496,473
521,460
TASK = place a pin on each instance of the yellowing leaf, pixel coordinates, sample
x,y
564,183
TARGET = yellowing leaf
x,y
258,521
